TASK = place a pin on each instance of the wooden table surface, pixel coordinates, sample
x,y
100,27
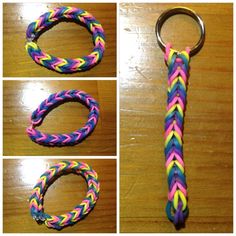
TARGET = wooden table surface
x,y
21,98
208,121
66,40
19,178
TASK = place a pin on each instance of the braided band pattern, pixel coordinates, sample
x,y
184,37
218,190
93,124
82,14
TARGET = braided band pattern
x,y
178,69
70,218
65,65
63,139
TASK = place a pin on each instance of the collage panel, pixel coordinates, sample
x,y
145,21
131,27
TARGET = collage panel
x,y
68,117
64,196
59,39
176,118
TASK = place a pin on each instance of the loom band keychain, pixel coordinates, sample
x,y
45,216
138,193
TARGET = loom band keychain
x,y
47,179
53,101
65,65
178,72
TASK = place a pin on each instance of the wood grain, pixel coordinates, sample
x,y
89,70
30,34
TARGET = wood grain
x,y
66,40
19,178
208,121
21,98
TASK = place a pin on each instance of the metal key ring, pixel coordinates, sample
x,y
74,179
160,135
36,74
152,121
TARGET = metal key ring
x,y
180,10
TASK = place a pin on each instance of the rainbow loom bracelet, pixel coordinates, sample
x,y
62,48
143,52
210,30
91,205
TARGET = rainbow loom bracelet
x,y
63,139
178,68
178,73
65,65
46,179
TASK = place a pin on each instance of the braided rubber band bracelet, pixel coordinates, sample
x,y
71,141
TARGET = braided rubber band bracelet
x,y
80,211
178,73
63,139
178,66
65,65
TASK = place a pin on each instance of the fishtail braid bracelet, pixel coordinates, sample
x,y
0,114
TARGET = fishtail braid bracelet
x,y
65,65
60,221
178,67
178,72
63,139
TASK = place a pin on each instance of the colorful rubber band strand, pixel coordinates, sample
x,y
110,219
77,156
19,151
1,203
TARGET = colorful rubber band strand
x,y
80,211
65,65
178,72
55,100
